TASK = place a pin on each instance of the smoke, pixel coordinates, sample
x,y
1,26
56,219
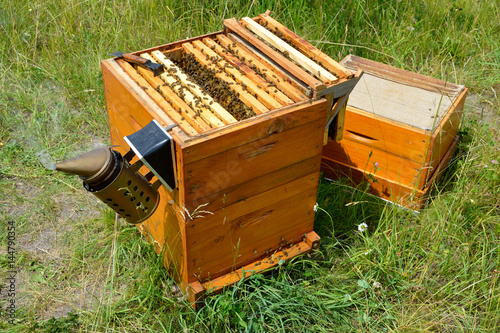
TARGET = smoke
x,y
45,159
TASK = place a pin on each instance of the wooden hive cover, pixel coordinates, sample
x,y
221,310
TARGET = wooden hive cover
x,y
400,95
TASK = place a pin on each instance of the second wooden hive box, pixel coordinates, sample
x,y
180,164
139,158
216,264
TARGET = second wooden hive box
x,y
400,132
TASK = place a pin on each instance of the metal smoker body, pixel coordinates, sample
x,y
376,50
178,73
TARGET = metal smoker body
x,y
118,183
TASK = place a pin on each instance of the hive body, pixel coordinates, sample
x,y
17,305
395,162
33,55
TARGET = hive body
x,y
246,180
400,131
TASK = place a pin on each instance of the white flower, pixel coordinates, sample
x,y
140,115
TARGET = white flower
x,y
367,252
316,207
376,285
362,227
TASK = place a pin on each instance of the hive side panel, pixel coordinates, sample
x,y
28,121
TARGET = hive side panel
x,y
371,160
388,189
236,166
241,234
253,129
255,191
199,226
165,230
445,134
382,187
241,192
386,135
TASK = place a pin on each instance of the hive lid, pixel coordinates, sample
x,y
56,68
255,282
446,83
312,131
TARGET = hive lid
x,y
410,98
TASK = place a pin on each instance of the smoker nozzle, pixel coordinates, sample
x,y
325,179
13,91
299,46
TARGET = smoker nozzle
x,y
110,177
86,165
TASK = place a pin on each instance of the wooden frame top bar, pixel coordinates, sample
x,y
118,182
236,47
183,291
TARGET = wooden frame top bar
x,y
235,26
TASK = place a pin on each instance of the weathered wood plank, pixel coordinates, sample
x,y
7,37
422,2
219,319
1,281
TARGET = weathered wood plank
x,y
281,45
402,76
235,26
409,105
318,56
265,68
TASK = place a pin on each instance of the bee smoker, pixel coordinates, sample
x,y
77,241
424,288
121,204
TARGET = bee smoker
x,y
115,181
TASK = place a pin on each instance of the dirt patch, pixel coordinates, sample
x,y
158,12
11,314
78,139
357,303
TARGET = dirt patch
x,y
47,218
484,107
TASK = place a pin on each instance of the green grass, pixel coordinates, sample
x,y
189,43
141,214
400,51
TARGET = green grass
x,y
436,271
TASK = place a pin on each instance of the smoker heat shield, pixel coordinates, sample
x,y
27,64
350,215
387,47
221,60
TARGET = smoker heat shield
x,y
154,147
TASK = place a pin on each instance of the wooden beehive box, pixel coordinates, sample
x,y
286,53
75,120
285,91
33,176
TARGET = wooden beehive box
x,y
248,122
400,130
